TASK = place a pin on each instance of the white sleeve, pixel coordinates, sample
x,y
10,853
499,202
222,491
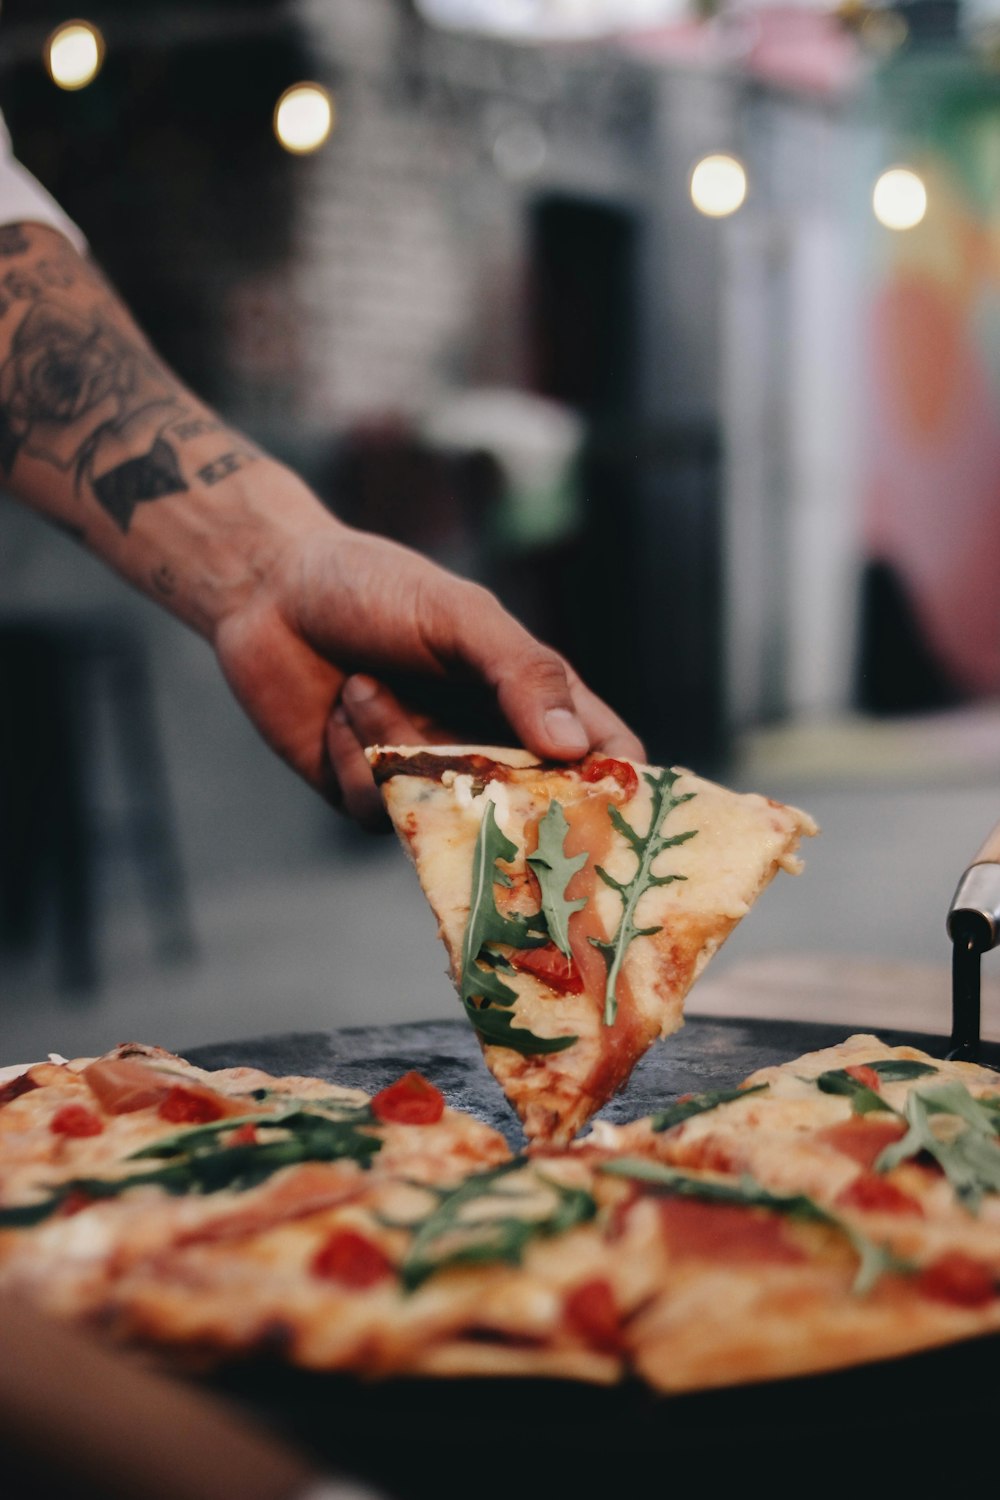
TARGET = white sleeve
x,y
22,198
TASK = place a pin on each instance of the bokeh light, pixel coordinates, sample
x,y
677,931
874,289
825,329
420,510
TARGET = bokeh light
x,y
718,185
899,199
74,53
303,118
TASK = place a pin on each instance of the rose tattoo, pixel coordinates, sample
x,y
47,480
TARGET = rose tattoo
x,y
74,393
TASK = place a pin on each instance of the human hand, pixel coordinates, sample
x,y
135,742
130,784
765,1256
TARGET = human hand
x,y
339,611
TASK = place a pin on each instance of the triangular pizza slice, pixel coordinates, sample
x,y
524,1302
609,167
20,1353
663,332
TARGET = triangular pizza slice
x,y
578,904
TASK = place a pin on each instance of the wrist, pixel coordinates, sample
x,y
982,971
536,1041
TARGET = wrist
x,y
210,556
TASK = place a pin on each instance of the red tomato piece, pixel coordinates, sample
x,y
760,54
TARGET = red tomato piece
x,y
958,1278
551,966
75,1120
862,1073
623,773
74,1202
591,1313
352,1260
15,1087
411,1100
877,1194
862,1138
243,1135
190,1107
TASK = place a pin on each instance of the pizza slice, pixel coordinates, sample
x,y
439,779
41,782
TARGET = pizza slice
x,y
578,903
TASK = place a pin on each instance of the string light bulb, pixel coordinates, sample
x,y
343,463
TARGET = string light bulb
x,y
74,53
304,116
718,185
899,199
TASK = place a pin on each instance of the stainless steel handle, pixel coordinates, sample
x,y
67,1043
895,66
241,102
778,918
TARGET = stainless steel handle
x,y
974,914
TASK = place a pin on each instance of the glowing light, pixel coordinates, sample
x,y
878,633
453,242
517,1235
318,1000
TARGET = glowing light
x,y
718,186
73,54
303,118
899,199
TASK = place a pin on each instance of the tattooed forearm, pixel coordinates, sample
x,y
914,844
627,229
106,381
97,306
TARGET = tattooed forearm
x,y
77,393
228,463
82,393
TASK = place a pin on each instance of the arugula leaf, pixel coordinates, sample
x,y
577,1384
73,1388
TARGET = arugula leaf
x,y
208,1166
482,966
873,1259
486,924
646,848
479,1221
700,1104
496,1027
555,869
970,1159
864,1100
197,1137
900,1069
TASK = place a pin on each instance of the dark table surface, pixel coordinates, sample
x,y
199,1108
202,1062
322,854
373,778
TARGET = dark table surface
x,y
704,1054
910,1420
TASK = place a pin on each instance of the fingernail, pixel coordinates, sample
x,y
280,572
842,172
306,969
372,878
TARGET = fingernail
x,y
359,689
565,731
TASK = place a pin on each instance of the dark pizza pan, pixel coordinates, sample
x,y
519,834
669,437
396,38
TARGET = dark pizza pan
x,y
906,1420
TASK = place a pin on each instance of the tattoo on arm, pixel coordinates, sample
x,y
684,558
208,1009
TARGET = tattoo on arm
x,y
13,240
192,427
78,392
227,463
81,391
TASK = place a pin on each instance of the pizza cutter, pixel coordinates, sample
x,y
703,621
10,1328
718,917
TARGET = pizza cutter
x,y
974,928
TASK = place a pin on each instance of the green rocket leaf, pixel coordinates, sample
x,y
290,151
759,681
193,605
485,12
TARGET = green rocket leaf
x,y
970,1158
700,1104
481,986
493,1216
647,847
555,869
207,1165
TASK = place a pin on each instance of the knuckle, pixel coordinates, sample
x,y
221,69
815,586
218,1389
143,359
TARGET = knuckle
x,y
543,674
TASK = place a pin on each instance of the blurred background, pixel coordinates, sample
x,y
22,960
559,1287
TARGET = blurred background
x,y
676,322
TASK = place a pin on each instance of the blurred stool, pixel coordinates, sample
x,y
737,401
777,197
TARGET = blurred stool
x,y
57,674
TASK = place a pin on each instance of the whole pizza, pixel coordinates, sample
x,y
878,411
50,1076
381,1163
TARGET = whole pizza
x,y
837,1209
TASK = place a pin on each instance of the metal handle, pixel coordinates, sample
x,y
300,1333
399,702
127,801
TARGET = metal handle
x,y
974,914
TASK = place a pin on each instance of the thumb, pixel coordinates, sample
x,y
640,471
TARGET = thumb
x,y
533,692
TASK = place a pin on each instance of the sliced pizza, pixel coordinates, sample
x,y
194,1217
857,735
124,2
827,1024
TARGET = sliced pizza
x,y
902,1146
233,1214
578,903
110,1162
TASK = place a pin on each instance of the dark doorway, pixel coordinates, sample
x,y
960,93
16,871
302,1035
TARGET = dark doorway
x,y
583,259
636,603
